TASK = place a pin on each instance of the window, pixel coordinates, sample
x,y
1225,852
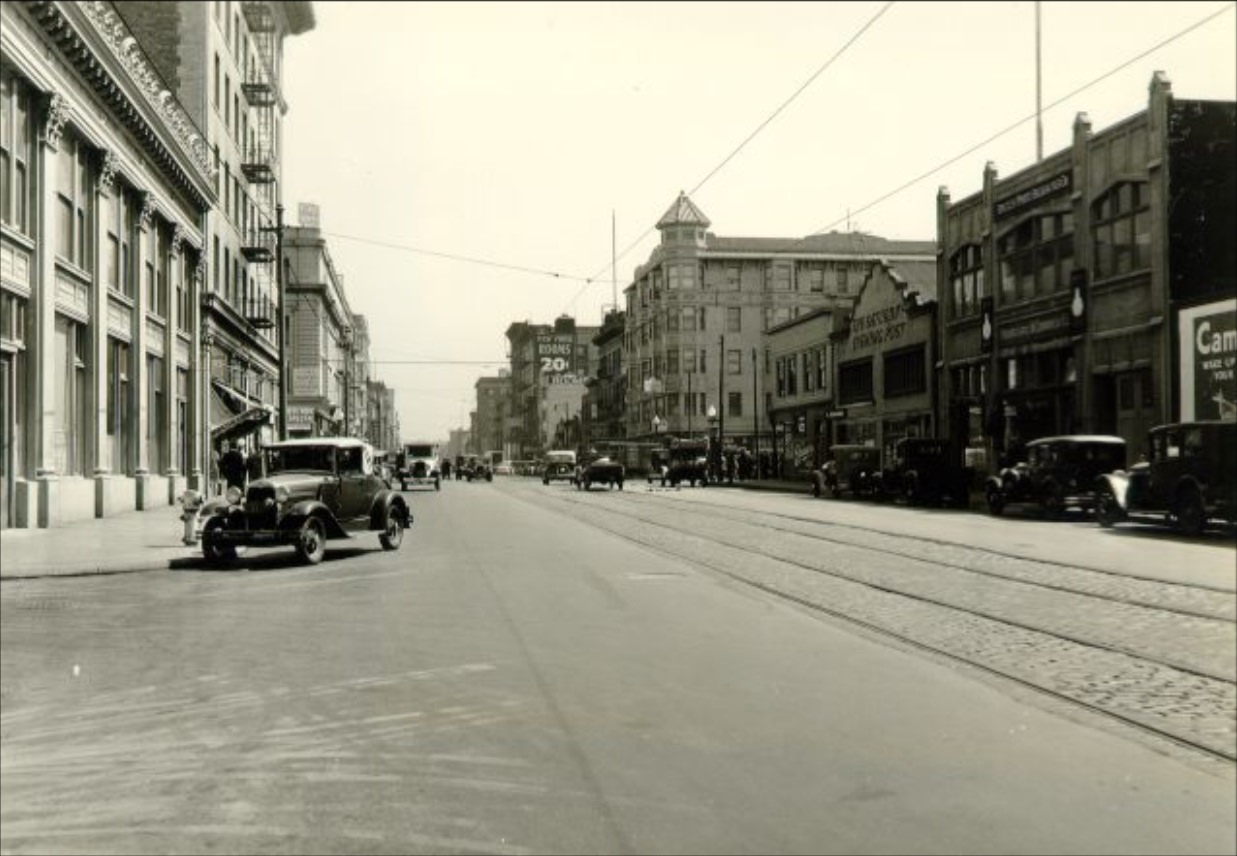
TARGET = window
x,y
1121,230
184,307
822,369
815,278
687,318
156,418
792,375
150,278
1036,256
681,276
809,375
734,362
217,79
214,268
734,404
966,278
841,271
855,382
689,360
734,319
905,372
779,277
69,424
74,195
15,152
672,361
227,101
733,279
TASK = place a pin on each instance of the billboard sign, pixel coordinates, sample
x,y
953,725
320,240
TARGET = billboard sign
x,y
1208,339
556,354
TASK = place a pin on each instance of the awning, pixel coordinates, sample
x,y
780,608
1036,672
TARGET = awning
x,y
227,422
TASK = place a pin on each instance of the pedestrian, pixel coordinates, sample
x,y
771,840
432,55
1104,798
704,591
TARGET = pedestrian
x,y
253,464
232,466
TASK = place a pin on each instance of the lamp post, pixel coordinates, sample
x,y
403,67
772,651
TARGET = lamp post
x,y
717,442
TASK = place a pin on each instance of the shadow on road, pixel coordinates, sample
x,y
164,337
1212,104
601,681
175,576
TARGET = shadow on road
x,y
271,559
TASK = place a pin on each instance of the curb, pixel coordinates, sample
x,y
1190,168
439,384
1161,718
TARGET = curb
x,y
91,570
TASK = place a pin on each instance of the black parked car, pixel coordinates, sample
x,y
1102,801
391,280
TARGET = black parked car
x,y
923,470
1189,481
852,468
1059,474
603,470
314,491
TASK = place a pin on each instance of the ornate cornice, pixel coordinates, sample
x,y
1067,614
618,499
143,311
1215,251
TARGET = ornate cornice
x,y
57,115
125,47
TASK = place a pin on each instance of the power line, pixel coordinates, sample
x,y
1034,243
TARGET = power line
x,y
1026,119
458,258
837,54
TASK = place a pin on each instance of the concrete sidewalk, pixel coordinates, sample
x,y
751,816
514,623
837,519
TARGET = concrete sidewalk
x,y
131,541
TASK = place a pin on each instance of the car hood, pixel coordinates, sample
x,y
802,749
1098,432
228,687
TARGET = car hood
x,y
298,484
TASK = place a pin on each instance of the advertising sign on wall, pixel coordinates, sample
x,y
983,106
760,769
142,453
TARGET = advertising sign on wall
x,y
1208,336
555,354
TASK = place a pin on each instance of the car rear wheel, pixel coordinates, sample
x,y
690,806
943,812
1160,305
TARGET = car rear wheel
x,y
214,553
392,534
996,503
1191,516
311,541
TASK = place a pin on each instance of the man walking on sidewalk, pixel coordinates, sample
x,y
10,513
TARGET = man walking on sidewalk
x,y
232,466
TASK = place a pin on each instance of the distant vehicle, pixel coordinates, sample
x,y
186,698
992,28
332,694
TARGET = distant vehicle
x,y
850,468
1189,481
314,490
603,470
924,470
504,470
417,465
560,465
687,460
477,469
1059,474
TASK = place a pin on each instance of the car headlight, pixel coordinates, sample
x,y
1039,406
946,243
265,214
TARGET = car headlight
x,y
234,495
282,494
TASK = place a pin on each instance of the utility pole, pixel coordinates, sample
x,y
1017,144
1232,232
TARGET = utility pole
x,y
755,410
1039,121
721,401
281,333
691,403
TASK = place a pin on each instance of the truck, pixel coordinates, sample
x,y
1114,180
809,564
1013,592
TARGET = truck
x,y
417,465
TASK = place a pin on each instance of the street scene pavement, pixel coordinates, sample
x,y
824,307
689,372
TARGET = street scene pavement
x,y
545,670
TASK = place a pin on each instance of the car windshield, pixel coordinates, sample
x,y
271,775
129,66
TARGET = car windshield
x,y
287,458
560,458
419,451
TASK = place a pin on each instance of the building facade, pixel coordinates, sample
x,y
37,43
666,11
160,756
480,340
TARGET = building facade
x,y
798,392
1084,294
321,337
224,60
493,397
549,363
700,306
105,183
605,392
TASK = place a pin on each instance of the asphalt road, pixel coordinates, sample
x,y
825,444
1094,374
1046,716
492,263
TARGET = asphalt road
x,y
540,670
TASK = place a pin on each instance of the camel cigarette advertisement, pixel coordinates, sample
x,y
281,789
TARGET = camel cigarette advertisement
x,y
1208,336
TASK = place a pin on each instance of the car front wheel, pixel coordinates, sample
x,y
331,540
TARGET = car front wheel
x,y
392,534
1107,512
311,542
214,553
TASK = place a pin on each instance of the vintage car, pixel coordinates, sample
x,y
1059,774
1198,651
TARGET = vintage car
x,y
686,460
603,470
1189,480
925,470
480,470
314,490
853,468
560,465
417,465
1059,474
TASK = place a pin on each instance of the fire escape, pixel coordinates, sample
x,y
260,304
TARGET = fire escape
x,y
261,157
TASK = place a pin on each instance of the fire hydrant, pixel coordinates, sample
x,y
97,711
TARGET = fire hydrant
x,y
191,503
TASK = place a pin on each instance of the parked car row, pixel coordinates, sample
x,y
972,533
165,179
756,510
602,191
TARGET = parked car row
x,y
1189,480
921,471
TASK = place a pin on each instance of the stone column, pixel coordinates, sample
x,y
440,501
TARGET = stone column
x,y
99,311
142,385
43,308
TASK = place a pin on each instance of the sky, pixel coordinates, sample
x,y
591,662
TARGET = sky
x,y
479,164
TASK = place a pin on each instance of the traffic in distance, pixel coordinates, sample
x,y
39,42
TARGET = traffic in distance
x,y
312,491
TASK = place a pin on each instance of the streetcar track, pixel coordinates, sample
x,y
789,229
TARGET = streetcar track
x,y
692,508
888,589
1217,752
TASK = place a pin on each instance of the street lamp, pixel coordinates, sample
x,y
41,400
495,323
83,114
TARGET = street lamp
x,y
659,425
